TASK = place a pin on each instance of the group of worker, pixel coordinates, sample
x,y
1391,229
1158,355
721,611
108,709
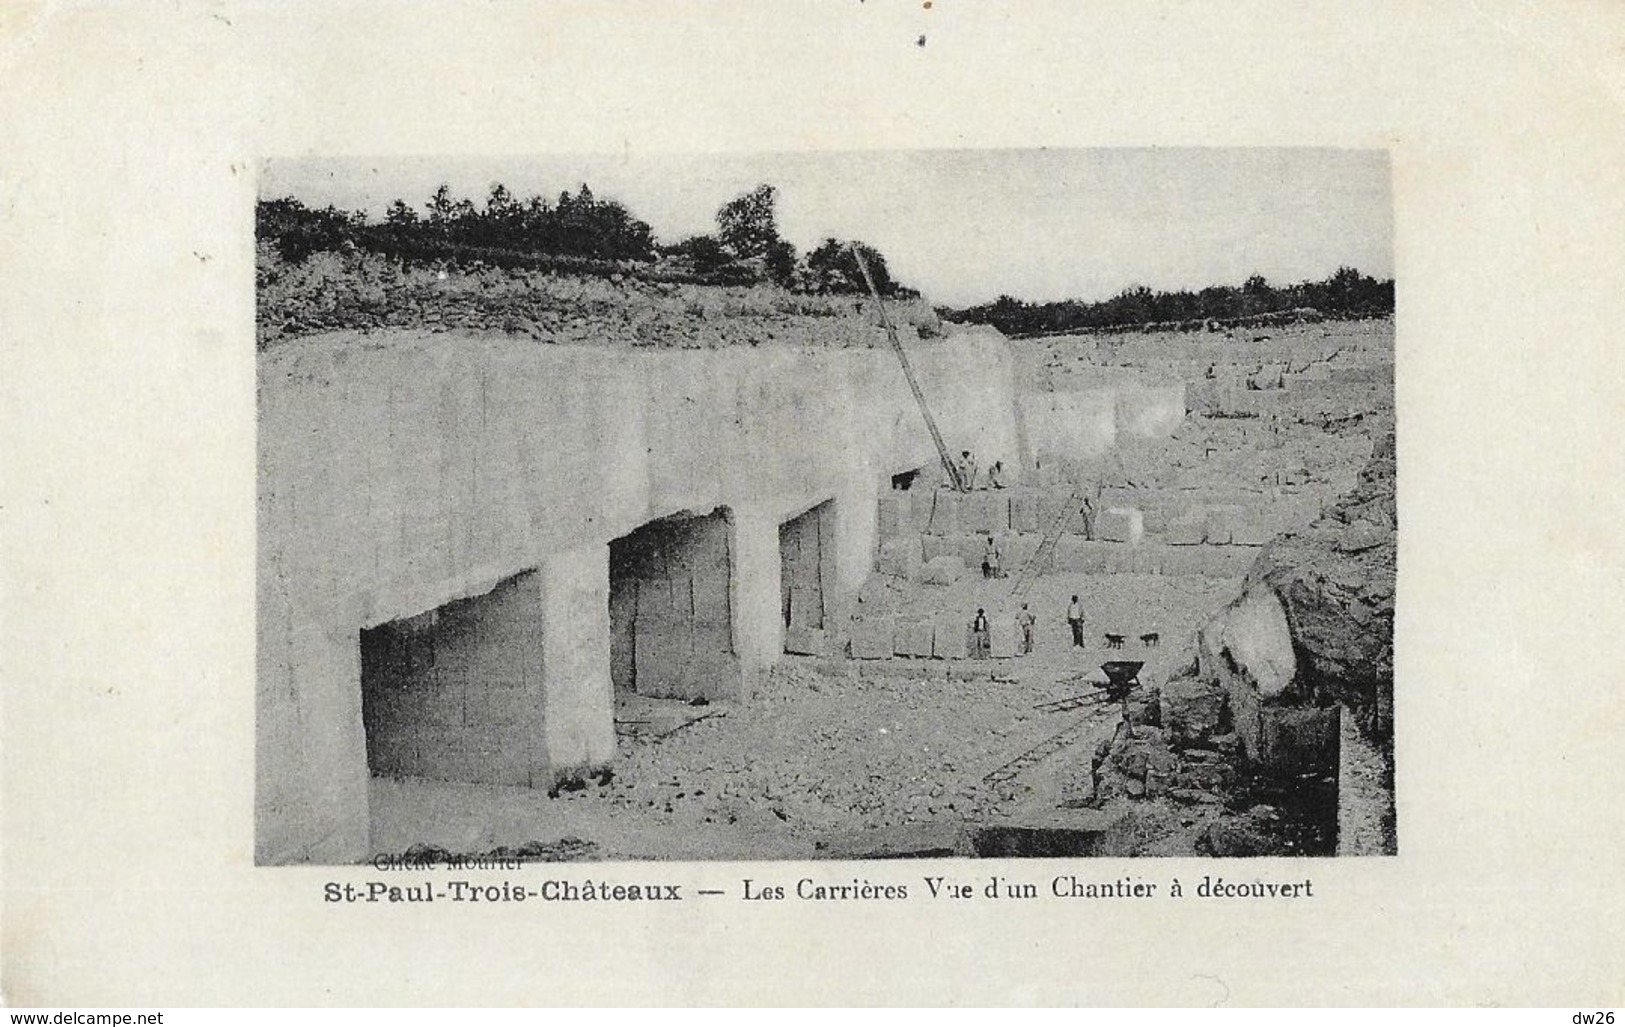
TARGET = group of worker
x,y
965,469
1026,621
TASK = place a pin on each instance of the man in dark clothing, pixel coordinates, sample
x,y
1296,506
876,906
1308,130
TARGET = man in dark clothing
x,y
978,628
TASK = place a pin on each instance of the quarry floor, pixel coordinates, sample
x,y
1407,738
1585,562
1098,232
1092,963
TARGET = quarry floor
x,y
831,749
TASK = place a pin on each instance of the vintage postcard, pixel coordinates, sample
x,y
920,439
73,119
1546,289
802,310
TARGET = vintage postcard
x,y
582,541
813,504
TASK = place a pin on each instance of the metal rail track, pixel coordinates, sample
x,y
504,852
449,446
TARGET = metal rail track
x,y
1038,753
1073,702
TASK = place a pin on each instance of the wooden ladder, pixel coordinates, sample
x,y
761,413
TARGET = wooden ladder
x,y
1046,546
908,372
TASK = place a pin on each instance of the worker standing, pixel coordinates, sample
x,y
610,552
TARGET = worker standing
x,y
967,471
979,632
1074,617
990,559
1026,620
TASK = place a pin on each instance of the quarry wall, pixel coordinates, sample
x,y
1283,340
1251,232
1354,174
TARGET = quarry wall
x,y
399,472
671,616
477,716
1084,423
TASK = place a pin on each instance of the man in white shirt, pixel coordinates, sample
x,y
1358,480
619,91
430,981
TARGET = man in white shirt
x,y
967,471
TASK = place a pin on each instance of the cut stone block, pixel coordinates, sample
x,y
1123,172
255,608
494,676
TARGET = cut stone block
x,y
894,516
1119,558
1121,495
872,638
900,557
1294,511
1188,530
1017,550
984,511
949,636
970,548
1004,637
805,641
663,648
1230,561
1221,524
1080,556
943,570
1024,512
1181,560
716,675
806,607
912,638
1120,524
710,603
1052,507
1250,530
921,503
1150,411
934,546
945,513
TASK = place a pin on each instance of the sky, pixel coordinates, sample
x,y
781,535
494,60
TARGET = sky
x,y
965,226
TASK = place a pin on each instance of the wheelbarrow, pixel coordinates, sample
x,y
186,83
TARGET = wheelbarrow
x,y
1121,677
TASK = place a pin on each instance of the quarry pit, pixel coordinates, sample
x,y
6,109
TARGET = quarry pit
x,y
712,600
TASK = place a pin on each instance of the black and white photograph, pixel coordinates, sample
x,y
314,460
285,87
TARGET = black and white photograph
x,y
837,506
828,503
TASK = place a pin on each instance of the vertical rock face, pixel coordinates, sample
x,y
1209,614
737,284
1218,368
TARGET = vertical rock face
x,y
1307,643
1313,629
1327,593
1335,580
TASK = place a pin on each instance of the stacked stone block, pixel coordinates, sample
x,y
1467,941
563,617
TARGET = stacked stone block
x,y
938,536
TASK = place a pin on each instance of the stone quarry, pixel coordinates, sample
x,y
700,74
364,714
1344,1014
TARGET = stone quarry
x,y
679,574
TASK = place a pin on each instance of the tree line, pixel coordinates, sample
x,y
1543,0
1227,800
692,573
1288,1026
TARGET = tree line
x,y
1346,293
577,233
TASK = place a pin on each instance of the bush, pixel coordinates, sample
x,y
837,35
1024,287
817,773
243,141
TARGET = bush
x,y
1347,293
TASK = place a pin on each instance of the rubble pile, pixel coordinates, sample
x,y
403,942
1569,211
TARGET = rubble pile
x,y
819,754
